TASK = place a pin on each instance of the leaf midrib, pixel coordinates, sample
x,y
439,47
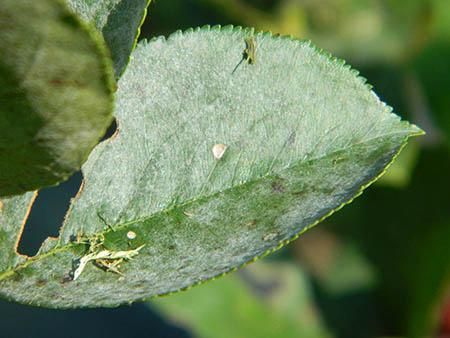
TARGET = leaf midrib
x,y
10,271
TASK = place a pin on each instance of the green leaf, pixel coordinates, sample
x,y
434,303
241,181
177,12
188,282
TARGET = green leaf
x,y
268,300
55,94
118,20
304,135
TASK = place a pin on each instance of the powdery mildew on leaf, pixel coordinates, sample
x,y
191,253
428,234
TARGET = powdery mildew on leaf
x,y
304,136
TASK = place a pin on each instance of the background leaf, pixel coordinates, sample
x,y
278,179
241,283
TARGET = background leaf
x,y
432,68
55,94
363,31
266,300
305,135
342,278
119,22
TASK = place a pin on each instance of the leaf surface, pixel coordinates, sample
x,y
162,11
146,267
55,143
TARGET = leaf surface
x,y
118,20
303,133
55,94
13,214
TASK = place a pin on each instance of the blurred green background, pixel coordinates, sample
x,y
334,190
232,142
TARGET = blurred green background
x,y
378,268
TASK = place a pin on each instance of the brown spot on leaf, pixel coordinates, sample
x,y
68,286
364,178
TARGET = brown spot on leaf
x,y
17,277
66,279
56,82
299,193
251,225
80,84
41,282
277,186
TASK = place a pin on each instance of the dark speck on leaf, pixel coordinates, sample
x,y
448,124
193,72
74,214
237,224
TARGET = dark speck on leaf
x,y
56,82
70,20
17,277
141,283
66,279
251,225
277,186
41,282
299,193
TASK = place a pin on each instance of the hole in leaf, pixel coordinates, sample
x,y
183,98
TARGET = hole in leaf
x,y
112,129
50,207
47,214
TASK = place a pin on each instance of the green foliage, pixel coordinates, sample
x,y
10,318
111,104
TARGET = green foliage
x,y
267,300
363,31
304,135
55,94
432,68
416,238
119,22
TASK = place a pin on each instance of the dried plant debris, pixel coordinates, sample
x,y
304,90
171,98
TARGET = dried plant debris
x,y
107,260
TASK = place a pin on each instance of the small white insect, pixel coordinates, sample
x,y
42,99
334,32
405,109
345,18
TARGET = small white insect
x,y
131,235
218,150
